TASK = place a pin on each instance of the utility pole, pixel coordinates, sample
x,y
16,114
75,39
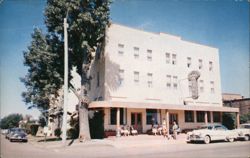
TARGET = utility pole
x,y
65,98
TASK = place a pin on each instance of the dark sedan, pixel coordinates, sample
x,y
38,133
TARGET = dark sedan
x,y
17,134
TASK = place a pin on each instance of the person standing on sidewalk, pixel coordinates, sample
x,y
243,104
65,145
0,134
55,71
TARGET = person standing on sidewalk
x,y
175,128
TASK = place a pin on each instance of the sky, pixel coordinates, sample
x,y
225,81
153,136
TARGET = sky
x,y
222,24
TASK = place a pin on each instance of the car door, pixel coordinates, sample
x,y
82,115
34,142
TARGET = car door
x,y
221,132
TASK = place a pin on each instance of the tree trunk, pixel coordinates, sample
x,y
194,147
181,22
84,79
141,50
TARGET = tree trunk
x,y
84,132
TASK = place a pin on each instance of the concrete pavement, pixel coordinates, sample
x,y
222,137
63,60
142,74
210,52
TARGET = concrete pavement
x,y
117,142
124,147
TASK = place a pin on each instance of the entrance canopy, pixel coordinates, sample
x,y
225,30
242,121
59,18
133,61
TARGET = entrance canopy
x,y
106,104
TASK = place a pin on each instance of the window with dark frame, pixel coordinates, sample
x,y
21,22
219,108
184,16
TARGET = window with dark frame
x,y
149,55
151,115
189,116
216,116
200,116
113,112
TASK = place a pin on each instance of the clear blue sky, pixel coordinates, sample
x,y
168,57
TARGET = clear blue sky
x,y
221,24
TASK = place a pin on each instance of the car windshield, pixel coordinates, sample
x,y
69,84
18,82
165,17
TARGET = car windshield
x,y
245,126
206,127
19,130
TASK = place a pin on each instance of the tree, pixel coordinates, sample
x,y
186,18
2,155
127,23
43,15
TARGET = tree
x,y
44,73
11,121
245,118
228,120
88,20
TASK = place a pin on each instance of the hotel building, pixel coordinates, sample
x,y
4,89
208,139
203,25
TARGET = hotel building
x,y
143,76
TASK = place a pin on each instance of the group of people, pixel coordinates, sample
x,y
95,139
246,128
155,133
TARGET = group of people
x,y
163,130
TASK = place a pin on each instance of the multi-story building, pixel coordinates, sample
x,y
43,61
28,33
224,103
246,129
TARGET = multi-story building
x,y
237,101
143,76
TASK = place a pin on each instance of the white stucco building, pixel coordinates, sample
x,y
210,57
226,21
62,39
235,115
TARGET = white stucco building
x,y
143,75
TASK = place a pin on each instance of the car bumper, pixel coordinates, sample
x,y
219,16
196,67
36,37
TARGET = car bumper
x,y
194,138
18,139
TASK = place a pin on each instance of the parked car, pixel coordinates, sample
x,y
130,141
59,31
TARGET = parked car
x,y
211,132
17,134
244,131
4,131
9,132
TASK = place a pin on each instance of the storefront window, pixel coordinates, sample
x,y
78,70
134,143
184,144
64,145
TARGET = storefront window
x,y
216,116
200,116
189,116
151,116
113,112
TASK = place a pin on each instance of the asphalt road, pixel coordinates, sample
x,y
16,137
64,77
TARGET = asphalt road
x,y
236,149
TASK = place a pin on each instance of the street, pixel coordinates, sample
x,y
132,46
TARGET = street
x,y
111,148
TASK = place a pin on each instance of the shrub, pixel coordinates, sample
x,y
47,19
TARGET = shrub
x,y
228,120
96,125
72,133
33,129
245,118
58,132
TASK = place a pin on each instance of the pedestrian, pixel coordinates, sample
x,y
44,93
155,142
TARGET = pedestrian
x,y
175,128
164,128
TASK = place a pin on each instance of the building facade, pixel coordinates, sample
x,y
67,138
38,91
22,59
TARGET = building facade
x,y
142,78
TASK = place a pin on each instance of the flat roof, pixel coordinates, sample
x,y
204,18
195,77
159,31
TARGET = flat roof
x,y
117,104
162,33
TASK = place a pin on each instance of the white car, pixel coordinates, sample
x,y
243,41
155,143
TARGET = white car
x,y
211,132
244,131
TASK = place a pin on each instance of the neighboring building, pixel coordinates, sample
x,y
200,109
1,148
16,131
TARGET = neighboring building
x,y
143,76
231,96
237,101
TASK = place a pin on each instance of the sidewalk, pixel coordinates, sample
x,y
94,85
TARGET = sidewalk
x,y
115,142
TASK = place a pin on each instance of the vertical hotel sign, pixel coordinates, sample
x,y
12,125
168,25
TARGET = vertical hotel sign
x,y
193,78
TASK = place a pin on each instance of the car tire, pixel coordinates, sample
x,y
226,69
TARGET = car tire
x,y
230,139
11,140
207,140
247,137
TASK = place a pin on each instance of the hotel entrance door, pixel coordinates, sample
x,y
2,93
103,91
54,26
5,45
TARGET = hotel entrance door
x,y
136,121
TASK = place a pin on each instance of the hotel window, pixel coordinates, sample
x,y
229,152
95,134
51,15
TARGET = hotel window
x,y
150,80
151,116
212,86
210,66
200,116
175,82
113,112
136,52
121,76
189,62
136,76
98,79
168,81
120,47
216,117
167,58
189,116
201,86
200,64
174,59
149,55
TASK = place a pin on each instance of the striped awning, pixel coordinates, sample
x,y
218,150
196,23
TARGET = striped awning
x,y
118,104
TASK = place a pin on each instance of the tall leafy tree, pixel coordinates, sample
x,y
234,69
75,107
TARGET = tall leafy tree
x,y
88,20
44,73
